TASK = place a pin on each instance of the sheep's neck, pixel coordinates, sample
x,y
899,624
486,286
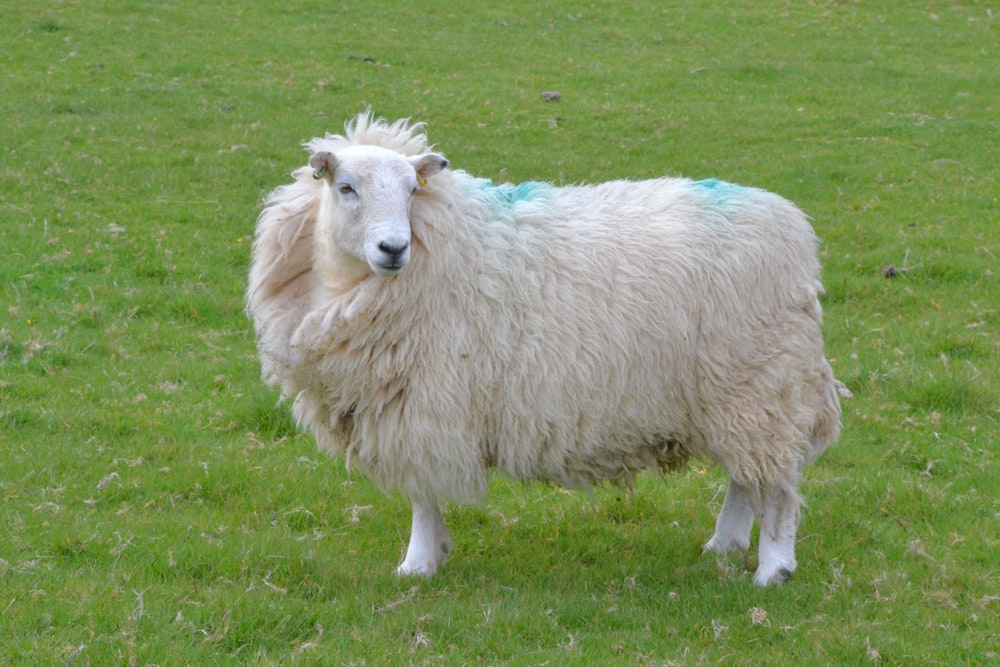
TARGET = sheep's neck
x,y
340,273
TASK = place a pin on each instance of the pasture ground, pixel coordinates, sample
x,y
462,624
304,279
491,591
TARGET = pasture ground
x,y
159,508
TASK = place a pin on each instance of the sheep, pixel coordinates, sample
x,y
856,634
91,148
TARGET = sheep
x,y
431,326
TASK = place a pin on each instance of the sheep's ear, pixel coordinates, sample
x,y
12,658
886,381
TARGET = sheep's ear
x,y
427,165
323,164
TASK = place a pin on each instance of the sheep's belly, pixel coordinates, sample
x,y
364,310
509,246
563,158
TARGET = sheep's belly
x,y
582,466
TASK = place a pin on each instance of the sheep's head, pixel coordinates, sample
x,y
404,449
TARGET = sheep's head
x,y
365,214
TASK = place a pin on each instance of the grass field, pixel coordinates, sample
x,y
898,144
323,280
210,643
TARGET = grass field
x,y
159,508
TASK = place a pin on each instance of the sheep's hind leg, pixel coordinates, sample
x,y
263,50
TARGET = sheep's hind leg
x,y
732,528
429,544
779,521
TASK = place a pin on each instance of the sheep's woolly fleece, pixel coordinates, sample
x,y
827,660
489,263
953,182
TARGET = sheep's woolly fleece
x,y
571,334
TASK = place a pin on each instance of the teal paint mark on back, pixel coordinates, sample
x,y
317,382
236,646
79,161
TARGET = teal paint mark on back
x,y
510,194
723,191
721,188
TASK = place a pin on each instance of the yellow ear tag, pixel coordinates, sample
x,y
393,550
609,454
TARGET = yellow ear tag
x,y
421,181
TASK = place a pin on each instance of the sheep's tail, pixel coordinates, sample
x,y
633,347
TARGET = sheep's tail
x,y
826,428
824,433
279,293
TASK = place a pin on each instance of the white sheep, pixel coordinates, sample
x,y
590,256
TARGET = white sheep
x,y
432,325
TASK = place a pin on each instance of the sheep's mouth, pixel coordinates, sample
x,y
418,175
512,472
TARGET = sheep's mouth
x,y
388,269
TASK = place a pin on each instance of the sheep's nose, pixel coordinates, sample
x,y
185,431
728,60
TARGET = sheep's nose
x,y
393,250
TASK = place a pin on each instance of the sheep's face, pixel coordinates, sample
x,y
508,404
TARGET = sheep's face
x,y
365,215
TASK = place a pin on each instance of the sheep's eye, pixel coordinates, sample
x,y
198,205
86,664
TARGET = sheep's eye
x,y
346,189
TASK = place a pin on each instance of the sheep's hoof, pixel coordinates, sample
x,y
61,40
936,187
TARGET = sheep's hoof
x,y
777,578
416,569
722,547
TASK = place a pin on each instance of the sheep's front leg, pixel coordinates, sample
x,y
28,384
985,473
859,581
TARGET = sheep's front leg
x,y
430,542
732,528
779,522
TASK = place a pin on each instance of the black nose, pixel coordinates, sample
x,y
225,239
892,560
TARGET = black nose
x,y
394,251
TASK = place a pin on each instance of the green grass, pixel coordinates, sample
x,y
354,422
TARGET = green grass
x,y
159,508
